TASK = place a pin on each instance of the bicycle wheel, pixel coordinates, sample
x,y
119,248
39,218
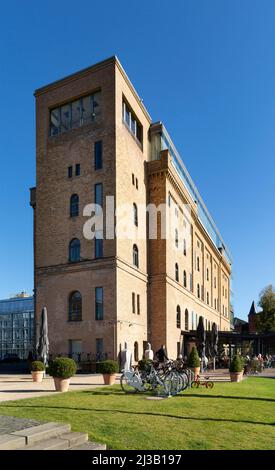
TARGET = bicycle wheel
x,y
194,384
125,385
210,384
185,380
173,383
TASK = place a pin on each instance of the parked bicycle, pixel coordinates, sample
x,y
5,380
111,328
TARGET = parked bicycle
x,y
165,381
202,382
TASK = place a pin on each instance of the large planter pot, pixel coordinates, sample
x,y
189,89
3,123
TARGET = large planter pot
x,y
236,376
37,376
61,385
109,379
196,371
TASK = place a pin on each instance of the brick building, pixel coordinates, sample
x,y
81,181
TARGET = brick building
x,y
95,139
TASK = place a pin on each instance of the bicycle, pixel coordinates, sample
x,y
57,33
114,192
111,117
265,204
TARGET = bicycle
x,y
204,383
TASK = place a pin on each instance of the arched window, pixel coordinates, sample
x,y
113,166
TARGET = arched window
x,y
184,247
136,351
178,317
74,205
207,298
198,263
74,250
186,320
207,274
135,256
184,279
176,237
75,306
135,214
198,291
177,272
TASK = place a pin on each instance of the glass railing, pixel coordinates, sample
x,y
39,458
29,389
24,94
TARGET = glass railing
x,y
162,141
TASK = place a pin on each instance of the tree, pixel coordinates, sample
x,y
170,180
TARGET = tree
x,y
265,320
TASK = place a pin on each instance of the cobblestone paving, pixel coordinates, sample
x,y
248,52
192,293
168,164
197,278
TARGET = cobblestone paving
x,y
9,424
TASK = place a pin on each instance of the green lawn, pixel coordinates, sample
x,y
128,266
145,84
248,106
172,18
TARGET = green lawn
x,y
230,416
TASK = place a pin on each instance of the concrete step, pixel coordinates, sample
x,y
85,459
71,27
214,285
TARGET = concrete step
x,y
48,436
9,442
90,446
75,438
42,432
56,443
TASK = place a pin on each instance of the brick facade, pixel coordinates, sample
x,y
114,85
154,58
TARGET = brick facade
x,y
130,175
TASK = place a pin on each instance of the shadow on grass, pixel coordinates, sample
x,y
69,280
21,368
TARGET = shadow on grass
x,y
141,413
229,397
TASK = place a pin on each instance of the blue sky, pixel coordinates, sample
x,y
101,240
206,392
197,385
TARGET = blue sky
x,y
206,68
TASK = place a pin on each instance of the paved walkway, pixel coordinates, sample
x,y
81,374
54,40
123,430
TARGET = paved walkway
x,y
9,424
16,387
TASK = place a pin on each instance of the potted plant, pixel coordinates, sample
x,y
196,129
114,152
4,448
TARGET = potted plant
x,y
62,369
194,361
109,369
37,370
236,369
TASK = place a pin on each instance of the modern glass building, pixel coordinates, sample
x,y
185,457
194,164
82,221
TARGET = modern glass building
x,y
16,327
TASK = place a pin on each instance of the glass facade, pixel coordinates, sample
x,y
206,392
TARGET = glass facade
x,y
16,327
160,140
75,114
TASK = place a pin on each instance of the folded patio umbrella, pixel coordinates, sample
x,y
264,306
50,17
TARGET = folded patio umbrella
x,y
214,342
201,341
43,342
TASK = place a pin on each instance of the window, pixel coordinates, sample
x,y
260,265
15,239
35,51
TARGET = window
x,y
215,282
98,247
75,349
138,304
135,256
74,250
136,183
176,238
198,291
133,179
133,302
202,293
99,349
74,114
207,298
198,263
70,171
178,317
169,200
77,169
177,272
132,122
215,304
98,155
186,320
74,205
75,306
136,356
184,247
192,320
184,279
135,214
207,274
99,194
99,303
